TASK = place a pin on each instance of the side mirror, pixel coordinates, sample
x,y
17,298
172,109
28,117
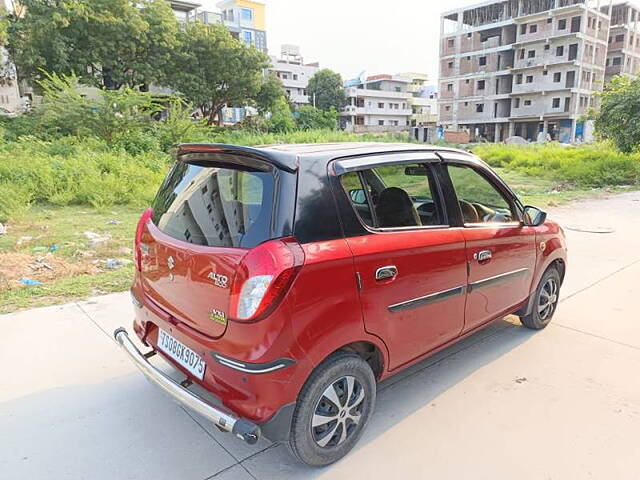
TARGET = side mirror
x,y
533,216
358,196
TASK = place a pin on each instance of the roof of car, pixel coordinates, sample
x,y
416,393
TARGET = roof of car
x,y
288,155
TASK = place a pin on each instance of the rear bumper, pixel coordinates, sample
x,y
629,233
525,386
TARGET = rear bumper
x,y
225,420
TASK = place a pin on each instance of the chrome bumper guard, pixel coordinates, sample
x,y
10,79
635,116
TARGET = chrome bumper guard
x,y
224,420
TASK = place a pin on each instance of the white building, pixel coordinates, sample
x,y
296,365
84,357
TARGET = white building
x,y
294,73
378,103
423,101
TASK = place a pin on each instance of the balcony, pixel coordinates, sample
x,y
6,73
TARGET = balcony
x,y
399,112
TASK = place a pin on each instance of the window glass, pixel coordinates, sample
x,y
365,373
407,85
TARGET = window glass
x,y
247,14
480,201
216,207
395,196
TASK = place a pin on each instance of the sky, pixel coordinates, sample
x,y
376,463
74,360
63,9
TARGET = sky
x,y
351,36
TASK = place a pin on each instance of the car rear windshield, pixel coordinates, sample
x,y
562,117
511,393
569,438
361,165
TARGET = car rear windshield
x,y
217,207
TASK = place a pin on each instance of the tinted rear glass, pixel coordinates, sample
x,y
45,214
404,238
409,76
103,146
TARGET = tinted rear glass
x,y
218,207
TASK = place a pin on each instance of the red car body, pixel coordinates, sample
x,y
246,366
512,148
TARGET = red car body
x,y
440,293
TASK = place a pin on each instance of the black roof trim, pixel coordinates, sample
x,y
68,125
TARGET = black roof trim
x,y
283,160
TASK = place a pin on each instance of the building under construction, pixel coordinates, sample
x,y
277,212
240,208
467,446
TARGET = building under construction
x,y
530,67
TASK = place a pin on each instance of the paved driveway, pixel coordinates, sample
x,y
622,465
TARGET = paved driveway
x,y
507,403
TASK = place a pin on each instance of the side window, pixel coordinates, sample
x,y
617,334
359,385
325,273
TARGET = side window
x,y
393,196
480,201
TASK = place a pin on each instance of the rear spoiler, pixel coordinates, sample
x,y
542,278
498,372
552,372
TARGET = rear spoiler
x,y
282,160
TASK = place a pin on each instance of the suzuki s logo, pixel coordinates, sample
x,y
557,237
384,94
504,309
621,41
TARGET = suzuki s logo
x,y
218,280
171,263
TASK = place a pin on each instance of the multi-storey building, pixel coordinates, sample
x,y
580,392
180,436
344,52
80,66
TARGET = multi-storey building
x,y
522,67
294,73
377,103
245,19
423,101
623,54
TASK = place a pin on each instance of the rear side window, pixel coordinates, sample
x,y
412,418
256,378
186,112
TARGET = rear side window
x,y
395,196
217,207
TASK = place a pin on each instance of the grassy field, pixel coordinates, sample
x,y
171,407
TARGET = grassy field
x,y
55,236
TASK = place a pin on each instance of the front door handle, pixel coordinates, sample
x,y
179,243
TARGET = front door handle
x,y
387,272
482,255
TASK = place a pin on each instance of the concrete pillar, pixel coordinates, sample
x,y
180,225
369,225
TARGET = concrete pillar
x,y
496,133
545,127
573,131
512,129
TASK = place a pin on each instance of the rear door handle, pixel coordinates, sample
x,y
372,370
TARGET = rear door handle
x,y
482,255
387,272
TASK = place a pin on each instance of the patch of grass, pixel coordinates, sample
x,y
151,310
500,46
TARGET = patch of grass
x,y
583,167
66,290
65,227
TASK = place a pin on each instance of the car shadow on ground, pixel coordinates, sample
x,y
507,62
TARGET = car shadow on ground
x,y
404,394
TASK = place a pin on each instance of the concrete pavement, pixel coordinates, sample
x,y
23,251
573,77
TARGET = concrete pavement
x,y
563,403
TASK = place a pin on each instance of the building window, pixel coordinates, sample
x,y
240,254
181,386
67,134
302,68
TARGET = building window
x,y
480,84
246,14
447,108
533,28
557,77
620,38
450,65
467,81
562,24
380,122
479,107
521,53
482,61
545,72
247,36
295,76
547,46
529,78
450,43
560,51
527,103
449,87
516,103
523,29
531,54
380,104
617,61
555,103
466,104
549,20
518,79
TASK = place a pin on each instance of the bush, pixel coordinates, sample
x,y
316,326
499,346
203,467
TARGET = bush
x,y
68,172
597,165
310,118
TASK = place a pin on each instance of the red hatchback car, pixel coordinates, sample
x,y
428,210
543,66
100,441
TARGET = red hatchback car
x,y
288,280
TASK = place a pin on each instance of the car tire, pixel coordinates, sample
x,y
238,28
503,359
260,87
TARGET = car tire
x,y
544,302
333,409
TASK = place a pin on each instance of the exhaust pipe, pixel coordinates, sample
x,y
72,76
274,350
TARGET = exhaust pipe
x,y
222,419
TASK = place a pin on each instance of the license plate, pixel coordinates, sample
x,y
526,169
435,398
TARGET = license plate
x,y
182,354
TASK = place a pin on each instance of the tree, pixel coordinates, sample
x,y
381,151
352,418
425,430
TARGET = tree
x,y
309,118
281,120
213,69
108,44
619,116
271,91
327,89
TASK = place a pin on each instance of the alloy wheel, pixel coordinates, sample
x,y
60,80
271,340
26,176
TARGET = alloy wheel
x,y
548,298
338,412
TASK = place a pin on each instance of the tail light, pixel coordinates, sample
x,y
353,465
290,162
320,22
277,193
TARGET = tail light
x,y
148,213
264,277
